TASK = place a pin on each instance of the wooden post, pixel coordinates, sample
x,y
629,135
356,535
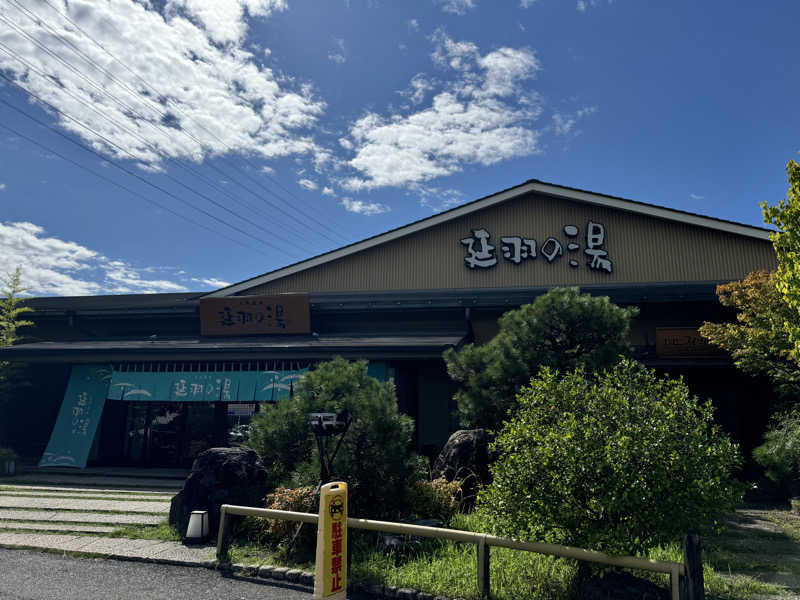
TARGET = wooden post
x,y
692,585
224,534
482,550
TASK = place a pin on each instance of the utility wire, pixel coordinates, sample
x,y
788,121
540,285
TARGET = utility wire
x,y
131,155
35,17
118,166
127,189
5,49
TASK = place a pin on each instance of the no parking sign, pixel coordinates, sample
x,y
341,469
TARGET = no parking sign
x,y
330,581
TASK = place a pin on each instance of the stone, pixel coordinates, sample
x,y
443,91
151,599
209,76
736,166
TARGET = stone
x,y
293,575
390,591
465,457
280,573
219,476
265,571
425,596
307,579
376,590
407,594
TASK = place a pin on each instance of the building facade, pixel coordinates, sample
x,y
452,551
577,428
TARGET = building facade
x,y
399,300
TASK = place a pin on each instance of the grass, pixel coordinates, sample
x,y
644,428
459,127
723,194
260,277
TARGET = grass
x,y
448,569
163,531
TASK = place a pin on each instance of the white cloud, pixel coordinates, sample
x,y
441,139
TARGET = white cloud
x,y
268,170
482,116
420,86
211,282
413,25
207,84
2,186
696,197
364,208
584,4
526,3
55,267
564,123
438,199
327,191
338,54
307,184
456,7
224,19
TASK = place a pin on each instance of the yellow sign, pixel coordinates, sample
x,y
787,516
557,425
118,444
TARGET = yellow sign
x,y
330,580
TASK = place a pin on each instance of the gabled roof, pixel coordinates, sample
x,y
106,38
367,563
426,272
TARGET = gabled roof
x,y
530,186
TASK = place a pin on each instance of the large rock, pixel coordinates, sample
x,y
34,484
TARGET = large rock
x,y
219,476
466,458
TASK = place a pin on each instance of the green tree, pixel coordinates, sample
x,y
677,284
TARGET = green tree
x,y
786,217
373,459
759,340
562,329
11,311
619,461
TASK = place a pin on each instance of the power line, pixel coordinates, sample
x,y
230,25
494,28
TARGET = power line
x,y
35,17
5,49
118,166
127,189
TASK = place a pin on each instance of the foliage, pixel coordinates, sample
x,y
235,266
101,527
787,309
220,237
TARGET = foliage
x,y
434,499
11,311
373,458
759,341
619,461
780,452
562,329
786,217
303,499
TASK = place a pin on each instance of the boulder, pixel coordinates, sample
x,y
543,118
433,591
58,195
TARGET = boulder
x,y
219,476
466,458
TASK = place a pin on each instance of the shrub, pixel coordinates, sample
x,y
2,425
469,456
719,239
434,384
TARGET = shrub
x,y
373,459
780,452
562,329
434,499
622,461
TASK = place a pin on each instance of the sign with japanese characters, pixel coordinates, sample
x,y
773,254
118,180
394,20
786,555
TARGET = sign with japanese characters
x,y
518,249
78,418
330,580
205,386
684,342
255,315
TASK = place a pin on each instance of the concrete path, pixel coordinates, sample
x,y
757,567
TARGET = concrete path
x,y
56,503
150,550
86,495
100,481
80,490
80,517
60,527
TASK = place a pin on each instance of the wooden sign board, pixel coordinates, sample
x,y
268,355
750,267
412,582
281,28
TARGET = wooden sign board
x,y
684,342
255,315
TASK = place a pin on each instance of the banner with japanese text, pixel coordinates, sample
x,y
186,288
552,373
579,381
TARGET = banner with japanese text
x,y
330,580
78,418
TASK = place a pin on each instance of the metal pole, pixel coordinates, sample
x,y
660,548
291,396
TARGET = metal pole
x,y
482,551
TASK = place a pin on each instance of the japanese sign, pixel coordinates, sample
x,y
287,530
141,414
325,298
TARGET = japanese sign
x,y
255,315
684,342
482,254
78,418
205,386
330,580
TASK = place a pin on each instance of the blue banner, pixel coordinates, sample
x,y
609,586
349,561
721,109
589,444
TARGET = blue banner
x,y
78,418
204,386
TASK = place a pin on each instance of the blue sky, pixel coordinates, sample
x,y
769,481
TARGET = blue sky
x,y
248,134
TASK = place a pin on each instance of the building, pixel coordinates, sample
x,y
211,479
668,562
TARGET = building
x,y
153,380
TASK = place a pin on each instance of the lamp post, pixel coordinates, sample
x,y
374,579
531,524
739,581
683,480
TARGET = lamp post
x,y
327,425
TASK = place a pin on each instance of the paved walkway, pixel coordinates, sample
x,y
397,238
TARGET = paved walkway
x,y
151,550
61,503
79,517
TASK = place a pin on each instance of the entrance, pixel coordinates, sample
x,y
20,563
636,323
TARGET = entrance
x,y
158,434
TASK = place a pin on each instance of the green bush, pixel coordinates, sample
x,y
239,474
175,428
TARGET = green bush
x,y
562,329
436,499
780,452
374,458
621,461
